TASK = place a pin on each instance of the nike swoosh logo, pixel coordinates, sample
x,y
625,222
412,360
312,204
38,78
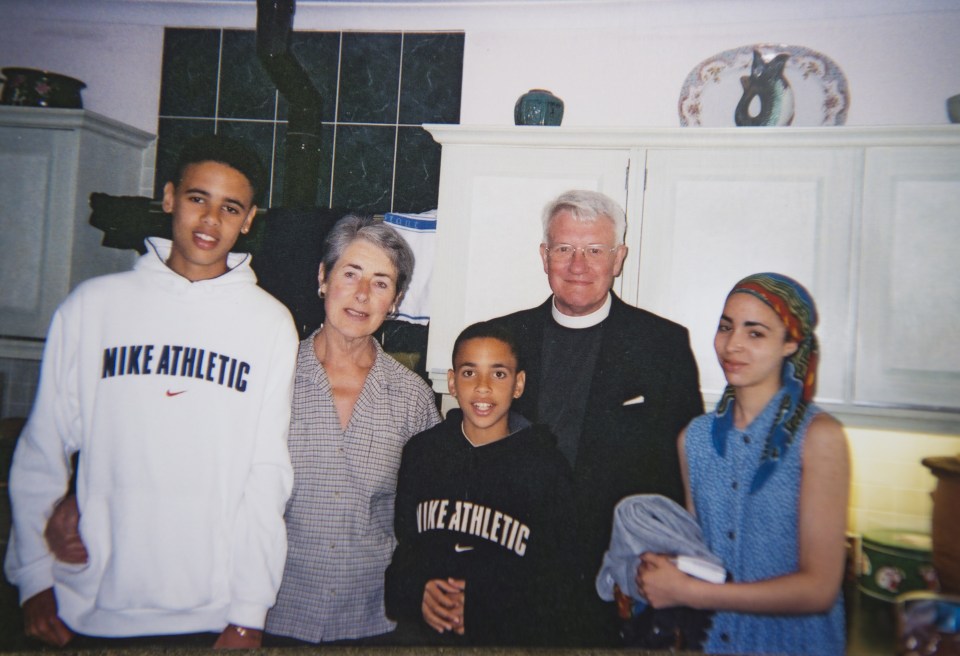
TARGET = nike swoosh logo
x,y
460,549
169,393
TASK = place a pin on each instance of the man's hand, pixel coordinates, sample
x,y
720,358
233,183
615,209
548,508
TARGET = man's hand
x,y
239,637
40,619
442,606
63,532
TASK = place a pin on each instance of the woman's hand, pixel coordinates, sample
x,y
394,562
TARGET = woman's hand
x,y
659,580
442,606
63,534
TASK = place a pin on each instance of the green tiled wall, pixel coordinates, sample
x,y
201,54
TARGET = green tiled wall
x,y
377,89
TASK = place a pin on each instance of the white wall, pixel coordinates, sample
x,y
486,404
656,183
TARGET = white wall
x,y
615,63
119,63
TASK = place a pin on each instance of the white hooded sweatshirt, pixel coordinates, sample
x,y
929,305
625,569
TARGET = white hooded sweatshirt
x,y
177,396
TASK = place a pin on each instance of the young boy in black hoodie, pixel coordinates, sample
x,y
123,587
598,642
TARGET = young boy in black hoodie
x,y
484,515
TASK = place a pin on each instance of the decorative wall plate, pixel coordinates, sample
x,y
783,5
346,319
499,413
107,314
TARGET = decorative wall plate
x,y
713,89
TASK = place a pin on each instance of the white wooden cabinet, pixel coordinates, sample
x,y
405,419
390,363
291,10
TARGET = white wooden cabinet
x,y
716,215
51,160
867,218
908,332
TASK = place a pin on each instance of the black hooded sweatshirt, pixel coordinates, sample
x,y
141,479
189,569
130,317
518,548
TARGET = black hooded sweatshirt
x,y
499,516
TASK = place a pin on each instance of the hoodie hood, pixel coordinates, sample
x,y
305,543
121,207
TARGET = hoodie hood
x,y
154,261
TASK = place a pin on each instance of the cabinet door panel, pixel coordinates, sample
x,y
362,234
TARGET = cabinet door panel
x,y
24,179
37,170
51,160
489,228
909,327
712,217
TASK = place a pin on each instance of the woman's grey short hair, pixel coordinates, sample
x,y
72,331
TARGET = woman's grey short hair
x,y
586,205
353,227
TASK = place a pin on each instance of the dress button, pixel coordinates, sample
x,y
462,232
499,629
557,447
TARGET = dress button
x,y
746,439
731,534
725,637
735,485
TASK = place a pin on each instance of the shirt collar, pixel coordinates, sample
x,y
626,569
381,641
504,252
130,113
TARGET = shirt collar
x,y
587,320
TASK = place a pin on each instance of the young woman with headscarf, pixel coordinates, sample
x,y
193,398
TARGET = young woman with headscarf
x,y
767,476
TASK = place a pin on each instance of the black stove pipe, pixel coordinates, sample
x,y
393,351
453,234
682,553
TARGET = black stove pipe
x,y
302,162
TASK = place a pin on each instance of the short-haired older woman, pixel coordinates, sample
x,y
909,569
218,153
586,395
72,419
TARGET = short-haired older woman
x,y
354,408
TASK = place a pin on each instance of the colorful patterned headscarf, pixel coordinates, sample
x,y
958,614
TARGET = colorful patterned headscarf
x,y
794,305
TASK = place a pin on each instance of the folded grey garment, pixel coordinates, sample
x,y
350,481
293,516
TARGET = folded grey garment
x,y
642,523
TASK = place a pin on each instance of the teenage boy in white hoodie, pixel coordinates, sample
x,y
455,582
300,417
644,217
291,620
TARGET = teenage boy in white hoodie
x,y
173,381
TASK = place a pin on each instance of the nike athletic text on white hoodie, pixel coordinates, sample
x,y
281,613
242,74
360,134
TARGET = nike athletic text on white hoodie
x,y
177,397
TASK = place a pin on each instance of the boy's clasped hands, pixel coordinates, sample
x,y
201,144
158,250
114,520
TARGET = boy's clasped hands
x,y
442,606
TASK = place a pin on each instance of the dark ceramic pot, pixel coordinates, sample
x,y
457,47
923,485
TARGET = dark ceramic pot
x,y
30,87
538,107
953,108
893,562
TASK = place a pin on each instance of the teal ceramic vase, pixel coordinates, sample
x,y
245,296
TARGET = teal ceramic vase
x,y
538,107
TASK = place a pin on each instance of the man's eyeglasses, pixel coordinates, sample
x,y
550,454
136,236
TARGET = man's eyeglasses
x,y
591,252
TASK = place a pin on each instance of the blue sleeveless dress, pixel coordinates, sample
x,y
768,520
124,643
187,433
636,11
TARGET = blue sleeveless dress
x,y
756,535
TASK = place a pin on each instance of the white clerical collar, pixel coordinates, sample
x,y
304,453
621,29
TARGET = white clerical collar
x,y
587,320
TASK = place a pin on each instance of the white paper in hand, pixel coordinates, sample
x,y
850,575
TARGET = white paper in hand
x,y
701,569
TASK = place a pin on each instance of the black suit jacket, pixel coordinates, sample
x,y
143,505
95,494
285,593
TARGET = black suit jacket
x,y
623,449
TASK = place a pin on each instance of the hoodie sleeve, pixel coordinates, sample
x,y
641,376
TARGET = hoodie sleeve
x,y
260,537
406,575
41,467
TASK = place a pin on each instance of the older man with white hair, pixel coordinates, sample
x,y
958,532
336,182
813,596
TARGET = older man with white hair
x,y
615,383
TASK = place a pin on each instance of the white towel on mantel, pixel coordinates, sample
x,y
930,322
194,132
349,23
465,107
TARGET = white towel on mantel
x,y
420,231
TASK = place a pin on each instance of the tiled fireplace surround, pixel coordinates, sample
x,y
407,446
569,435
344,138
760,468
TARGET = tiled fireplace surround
x,y
377,90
